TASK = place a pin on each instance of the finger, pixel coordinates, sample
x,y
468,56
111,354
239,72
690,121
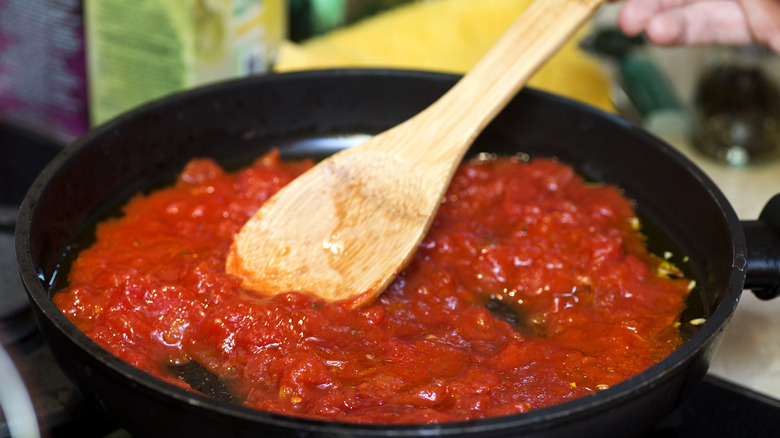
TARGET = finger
x,y
635,15
763,17
699,23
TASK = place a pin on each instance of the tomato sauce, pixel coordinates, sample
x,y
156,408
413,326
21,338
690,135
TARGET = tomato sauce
x,y
533,287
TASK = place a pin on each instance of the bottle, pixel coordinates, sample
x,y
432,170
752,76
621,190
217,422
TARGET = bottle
x,y
736,107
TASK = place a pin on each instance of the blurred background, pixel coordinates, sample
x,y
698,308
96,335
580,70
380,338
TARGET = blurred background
x,y
68,65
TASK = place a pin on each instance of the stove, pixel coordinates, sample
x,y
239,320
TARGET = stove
x,y
30,377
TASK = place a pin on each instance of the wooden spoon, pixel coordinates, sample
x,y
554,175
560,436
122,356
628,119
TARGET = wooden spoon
x,y
345,228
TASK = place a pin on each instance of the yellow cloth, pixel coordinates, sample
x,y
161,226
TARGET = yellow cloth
x,y
448,36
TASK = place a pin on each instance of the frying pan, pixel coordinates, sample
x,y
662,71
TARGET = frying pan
x,y
316,113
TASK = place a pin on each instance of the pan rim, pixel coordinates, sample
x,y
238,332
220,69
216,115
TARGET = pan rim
x,y
564,412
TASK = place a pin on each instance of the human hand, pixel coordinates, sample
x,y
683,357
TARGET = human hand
x,y
703,22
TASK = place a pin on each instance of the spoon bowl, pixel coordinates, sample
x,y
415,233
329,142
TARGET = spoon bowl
x,y
345,228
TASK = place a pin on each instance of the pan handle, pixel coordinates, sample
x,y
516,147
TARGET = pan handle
x,y
762,237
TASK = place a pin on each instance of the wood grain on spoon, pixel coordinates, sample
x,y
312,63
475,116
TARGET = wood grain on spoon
x,y
345,228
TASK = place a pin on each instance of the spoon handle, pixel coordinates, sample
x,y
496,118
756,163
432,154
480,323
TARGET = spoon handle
x,y
457,118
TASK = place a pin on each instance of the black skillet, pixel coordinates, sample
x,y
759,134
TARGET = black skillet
x,y
315,113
